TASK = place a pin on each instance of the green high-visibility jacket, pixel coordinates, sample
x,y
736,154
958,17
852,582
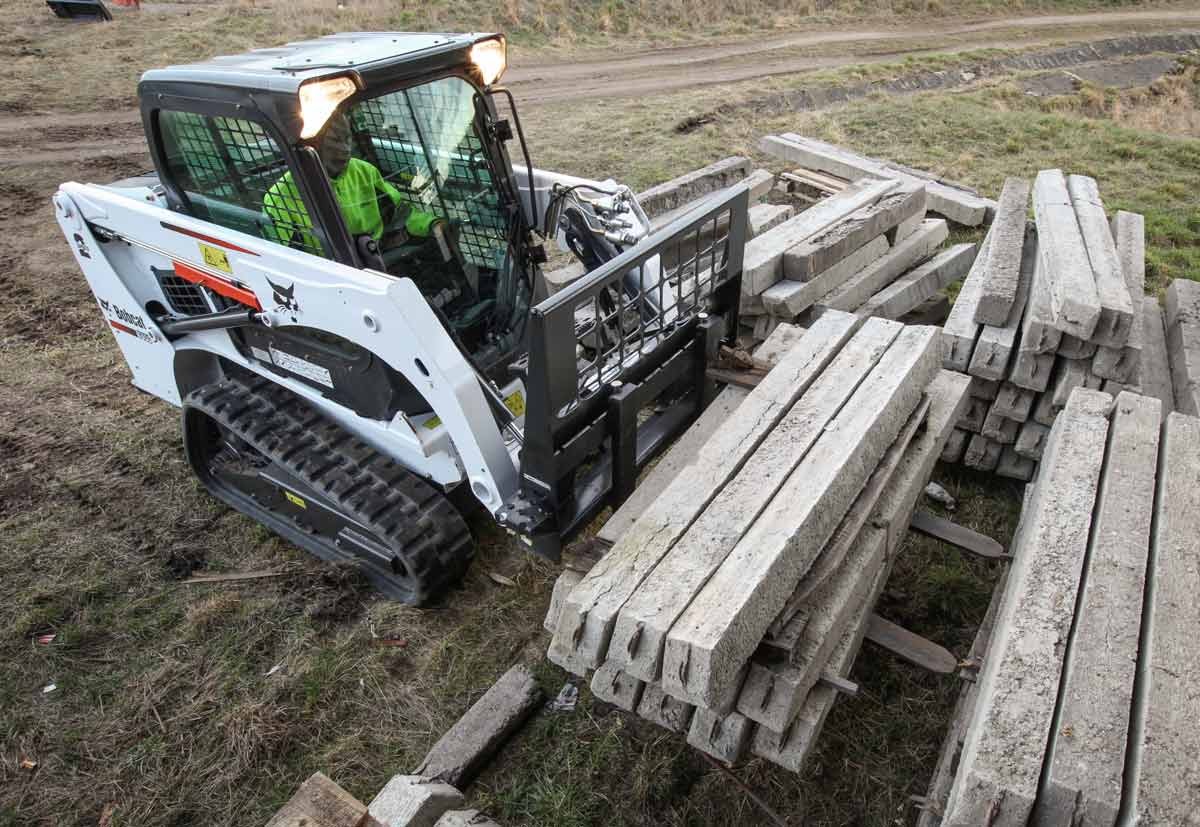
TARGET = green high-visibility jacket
x,y
357,190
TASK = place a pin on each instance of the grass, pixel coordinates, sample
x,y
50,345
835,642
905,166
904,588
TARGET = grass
x,y
169,708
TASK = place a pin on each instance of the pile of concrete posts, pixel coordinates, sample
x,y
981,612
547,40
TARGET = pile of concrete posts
x,y
1085,705
869,247
1049,306
735,595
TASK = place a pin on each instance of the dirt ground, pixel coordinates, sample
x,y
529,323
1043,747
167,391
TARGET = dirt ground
x,y
177,704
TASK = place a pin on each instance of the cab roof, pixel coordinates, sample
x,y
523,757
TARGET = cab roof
x,y
281,70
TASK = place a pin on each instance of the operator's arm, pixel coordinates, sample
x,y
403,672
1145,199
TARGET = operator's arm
x,y
418,223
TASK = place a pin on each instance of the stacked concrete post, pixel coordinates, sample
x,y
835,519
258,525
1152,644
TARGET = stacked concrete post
x,y
1073,287
729,604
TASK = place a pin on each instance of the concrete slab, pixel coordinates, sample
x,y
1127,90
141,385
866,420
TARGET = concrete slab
x,y
1154,369
864,284
1014,402
1032,371
996,343
1002,755
660,708
974,415
726,620
1162,785
905,228
724,737
782,339
466,747
1085,760
1031,441
956,204
1183,343
613,686
763,217
1044,409
649,613
762,263
987,389
1121,364
960,331
1070,374
591,608
982,453
819,253
1074,348
789,298
911,289
999,428
955,446
1074,301
1116,306
678,192
413,801
1014,466
1003,265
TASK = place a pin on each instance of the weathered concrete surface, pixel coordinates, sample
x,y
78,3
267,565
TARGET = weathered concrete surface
x,y
724,737
782,339
823,251
987,389
1044,409
923,282
1038,333
1069,375
1121,364
462,752
960,329
726,620
999,428
933,310
1072,347
1074,302
1014,466
762,264
974,415
1032,370
413,801
1116,307
556,280
958,205
660,708
1003,265
563,584
905,228
1154,369
996,343
677,192
864,284
1013,402
1183,343
955,446
1002,755
591,608
773,696
789,298
611,685
763,217
1081,778
1162,784
1031,441
682,454
649,613
982,453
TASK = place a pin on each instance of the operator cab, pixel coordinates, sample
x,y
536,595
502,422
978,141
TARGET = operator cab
x,y
376,150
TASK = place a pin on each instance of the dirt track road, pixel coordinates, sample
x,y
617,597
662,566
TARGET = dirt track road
x,y
53,137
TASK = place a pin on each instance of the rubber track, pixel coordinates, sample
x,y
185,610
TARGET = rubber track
x,y
411,517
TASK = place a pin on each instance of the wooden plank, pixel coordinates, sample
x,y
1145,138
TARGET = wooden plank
x,y
591,608
942,529
915,649
321,803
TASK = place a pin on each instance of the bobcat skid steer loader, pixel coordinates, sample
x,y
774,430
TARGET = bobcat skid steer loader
x,y
334,272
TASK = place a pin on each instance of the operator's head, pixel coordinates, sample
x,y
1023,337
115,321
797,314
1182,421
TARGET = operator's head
x,y
335,144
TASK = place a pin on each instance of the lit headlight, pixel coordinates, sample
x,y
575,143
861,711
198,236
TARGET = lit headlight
x,y
319,99
490,58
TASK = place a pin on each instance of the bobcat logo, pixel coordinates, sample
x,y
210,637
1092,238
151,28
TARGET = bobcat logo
x,y
285,297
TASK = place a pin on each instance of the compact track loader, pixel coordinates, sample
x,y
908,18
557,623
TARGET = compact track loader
x,y
334,270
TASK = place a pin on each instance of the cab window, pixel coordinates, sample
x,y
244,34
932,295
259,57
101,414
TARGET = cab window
x,y
234,174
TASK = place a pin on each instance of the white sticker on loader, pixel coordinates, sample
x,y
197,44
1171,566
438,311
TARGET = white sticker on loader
x,y
301,367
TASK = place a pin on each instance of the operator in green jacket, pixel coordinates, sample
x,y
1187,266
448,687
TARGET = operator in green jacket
x,y
358,186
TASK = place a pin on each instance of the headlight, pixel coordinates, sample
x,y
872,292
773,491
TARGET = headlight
x,y
319,99
490,58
